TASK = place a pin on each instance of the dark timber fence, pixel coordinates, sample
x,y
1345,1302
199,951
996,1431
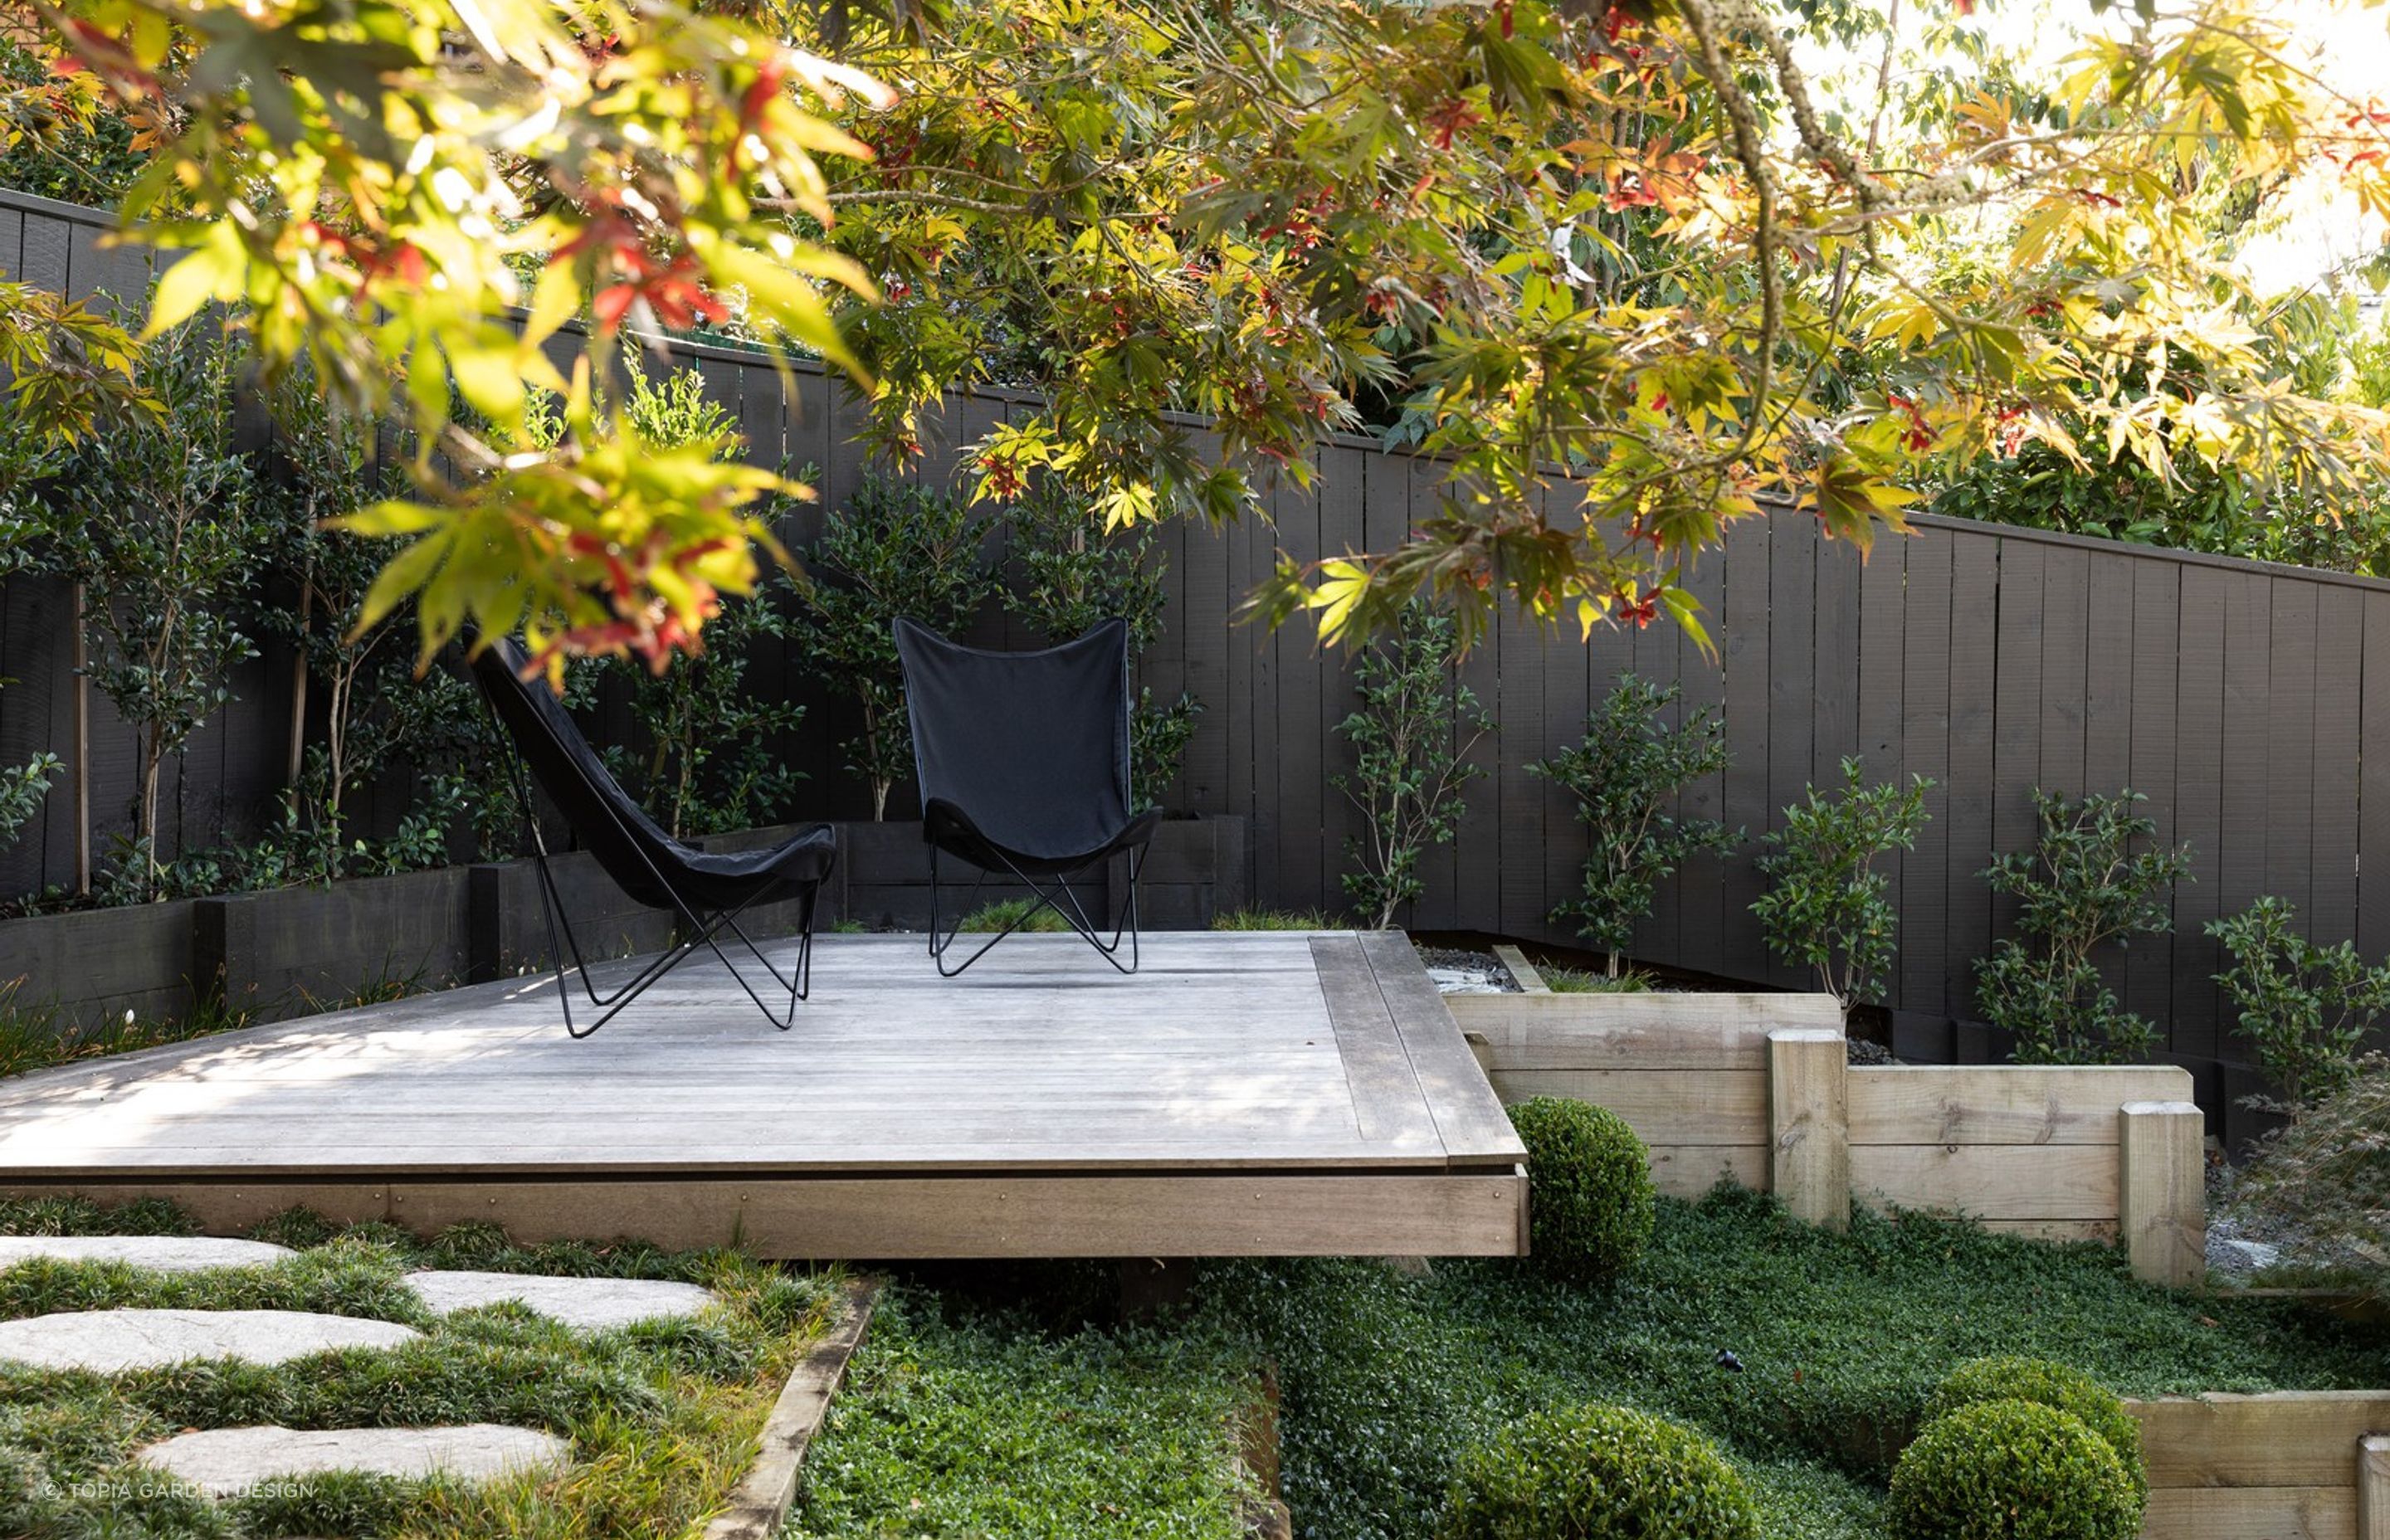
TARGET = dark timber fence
x,y
1992,660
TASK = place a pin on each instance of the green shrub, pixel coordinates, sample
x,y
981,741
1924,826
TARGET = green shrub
x,y
1411,740
2305,1008
2011,1470
2091,882
2047,1384
1589,1187
1594,1473
2327,1178
1827,907
1576,981
1628,770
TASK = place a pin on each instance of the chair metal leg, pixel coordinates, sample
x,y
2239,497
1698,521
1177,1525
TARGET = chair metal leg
x,y
695,930
1061,899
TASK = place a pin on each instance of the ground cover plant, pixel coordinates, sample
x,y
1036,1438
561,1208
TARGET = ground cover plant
x,y
661,1415
965,1419
1810,1357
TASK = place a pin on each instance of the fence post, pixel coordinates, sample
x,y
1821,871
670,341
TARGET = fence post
x,y
1809,1153
2373,1487
2160,1191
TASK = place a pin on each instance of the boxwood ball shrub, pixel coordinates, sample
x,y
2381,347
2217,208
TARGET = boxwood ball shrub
x,y
1589,1193
1597,1472
2011,1470
2048,1384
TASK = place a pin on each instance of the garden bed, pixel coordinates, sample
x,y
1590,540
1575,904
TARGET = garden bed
x,y
1758,1089
1807,1354
289,951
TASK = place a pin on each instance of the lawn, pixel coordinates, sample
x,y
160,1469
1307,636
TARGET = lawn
x,y
661,1415
964,1418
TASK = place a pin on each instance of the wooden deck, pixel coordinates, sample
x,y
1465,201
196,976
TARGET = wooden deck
x,y
1244,1093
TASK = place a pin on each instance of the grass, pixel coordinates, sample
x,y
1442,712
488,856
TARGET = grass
x,y
32,1037
662,1416
1387,1378
1577,980
1012,913
960,1419
1278,920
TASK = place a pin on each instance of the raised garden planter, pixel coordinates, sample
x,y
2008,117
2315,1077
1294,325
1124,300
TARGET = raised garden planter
x,y
1195,871
95,965
289,951
1757,1089
2311,1464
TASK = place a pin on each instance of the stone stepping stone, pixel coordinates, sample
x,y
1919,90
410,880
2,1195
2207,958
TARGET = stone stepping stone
x,y
224,1462
589,1304
111,1341
162,1253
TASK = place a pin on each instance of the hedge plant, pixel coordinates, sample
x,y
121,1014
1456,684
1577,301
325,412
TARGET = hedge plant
x,y
1597,1472
1590,1199
2047,1384
2011,1470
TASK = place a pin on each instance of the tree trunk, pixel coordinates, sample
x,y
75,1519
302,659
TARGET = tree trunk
x,y
81,658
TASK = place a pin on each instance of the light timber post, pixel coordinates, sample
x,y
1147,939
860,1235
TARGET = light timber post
x,y
1809,1153
2161,1187
2373,1487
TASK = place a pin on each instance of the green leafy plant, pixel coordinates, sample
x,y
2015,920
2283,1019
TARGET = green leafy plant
x,y
2327,1178
1827,907
1411,737
157,521
2305,1009
1598,1473
1275,920
1589,1183
1072,573
2047,1383
1623,775
893,550
2081,888
22,787
2011,1470
319,466
1576,981
1012,913
709,762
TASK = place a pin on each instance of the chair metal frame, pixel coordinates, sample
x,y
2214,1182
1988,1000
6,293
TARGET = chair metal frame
x,y
695,928
1068,906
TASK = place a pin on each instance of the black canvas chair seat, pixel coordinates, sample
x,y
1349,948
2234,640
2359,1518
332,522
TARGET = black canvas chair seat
x,y
1023,763
708,890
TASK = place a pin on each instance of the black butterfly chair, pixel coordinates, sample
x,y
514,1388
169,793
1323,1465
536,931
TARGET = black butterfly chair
x,y
706,889
1023,760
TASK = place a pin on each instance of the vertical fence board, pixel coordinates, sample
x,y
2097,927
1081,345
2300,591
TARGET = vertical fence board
x,y
1700,906
1746,560
2065,646
2289,723
2016,704
2338,680
1926,696
2149,768
1974,631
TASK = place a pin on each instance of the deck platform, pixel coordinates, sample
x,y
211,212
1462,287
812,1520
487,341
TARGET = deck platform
x,y
1243,1094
